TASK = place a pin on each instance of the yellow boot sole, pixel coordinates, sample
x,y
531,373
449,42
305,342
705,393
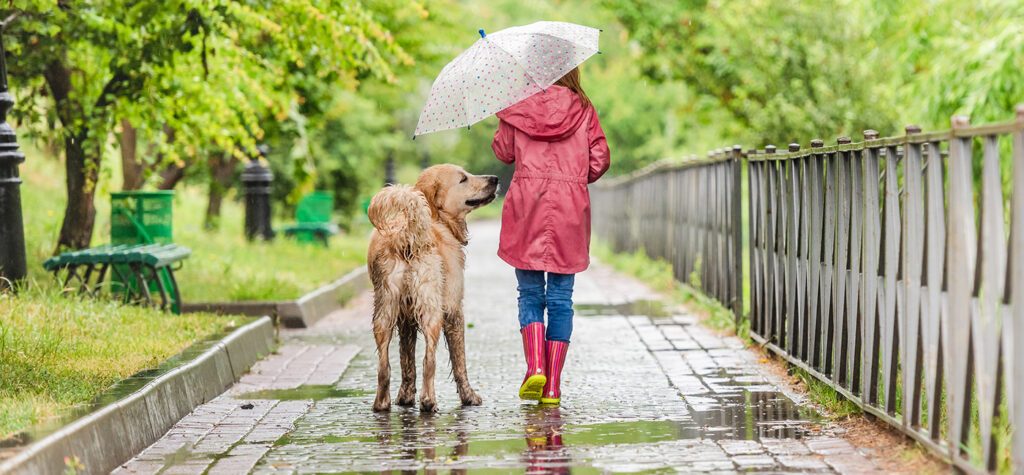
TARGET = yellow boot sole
x,y
533,387
552,401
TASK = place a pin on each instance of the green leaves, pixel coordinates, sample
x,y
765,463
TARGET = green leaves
x,y
217,70
794,70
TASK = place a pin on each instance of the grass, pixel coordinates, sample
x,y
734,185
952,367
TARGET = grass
x,y
58,352
223,266
835,404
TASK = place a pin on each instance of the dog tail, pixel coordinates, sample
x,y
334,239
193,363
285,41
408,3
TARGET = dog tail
x,y
402,217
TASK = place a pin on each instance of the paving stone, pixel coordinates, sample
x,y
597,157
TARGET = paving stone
x,y
639,394
802,462
754,462
786,447
741,447
851,463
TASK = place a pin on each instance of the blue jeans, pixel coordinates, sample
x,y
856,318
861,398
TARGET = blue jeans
x,y
557,298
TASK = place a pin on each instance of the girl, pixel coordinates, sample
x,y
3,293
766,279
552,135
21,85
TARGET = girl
x,y
558,147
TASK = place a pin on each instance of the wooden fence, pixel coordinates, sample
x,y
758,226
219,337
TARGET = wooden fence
x,y
687,214
886,268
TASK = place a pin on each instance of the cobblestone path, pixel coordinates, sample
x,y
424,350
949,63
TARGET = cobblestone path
x,y
645,389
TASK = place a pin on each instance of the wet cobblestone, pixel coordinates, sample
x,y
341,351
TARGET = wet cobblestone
x,y
645,389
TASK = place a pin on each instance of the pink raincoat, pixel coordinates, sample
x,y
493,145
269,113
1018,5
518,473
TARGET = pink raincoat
x,y
558,148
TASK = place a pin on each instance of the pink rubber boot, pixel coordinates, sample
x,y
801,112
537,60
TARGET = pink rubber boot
x,y
556,351
533,348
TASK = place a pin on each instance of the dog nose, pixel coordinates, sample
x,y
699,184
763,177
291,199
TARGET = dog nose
x,y
492,180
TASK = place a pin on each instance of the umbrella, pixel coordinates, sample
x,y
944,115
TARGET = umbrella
x,y
503,68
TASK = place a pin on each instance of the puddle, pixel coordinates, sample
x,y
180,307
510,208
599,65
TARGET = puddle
x,y
650,308
634,432
305,393
752,415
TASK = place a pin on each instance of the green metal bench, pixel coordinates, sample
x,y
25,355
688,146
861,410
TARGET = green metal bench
x,y
140,269
313,216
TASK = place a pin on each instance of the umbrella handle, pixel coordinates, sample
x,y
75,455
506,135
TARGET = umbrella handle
x,y
483,34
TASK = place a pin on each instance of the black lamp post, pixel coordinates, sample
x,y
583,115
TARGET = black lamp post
x,y
12,230
256,179
389,170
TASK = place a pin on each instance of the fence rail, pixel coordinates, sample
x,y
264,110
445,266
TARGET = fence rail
x,y
888,268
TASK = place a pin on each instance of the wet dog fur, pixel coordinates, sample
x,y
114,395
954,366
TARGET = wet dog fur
x,y
416,261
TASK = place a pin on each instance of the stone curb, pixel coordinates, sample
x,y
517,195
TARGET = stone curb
x,y
112,435
300,313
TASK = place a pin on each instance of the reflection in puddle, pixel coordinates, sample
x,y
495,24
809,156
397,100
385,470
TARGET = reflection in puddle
x,y
751,415
305,393
650,308
545,452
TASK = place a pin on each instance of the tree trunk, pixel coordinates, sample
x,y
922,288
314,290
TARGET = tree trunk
x,y
82,162
82,170
132,169
170,177
222,172
172,173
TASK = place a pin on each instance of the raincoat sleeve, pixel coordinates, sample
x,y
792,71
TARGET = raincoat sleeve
x,y
600,158
503,144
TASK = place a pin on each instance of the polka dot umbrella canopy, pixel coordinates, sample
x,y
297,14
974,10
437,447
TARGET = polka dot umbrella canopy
x,y
503,68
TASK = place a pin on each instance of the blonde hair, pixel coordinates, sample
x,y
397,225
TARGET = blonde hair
x,y
571,80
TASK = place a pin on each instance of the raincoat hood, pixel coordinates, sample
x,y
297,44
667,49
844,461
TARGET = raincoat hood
x,y
548,116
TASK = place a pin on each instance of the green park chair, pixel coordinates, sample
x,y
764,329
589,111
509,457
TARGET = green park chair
x,y
313,219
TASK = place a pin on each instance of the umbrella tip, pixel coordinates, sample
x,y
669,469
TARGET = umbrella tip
x,y
483,34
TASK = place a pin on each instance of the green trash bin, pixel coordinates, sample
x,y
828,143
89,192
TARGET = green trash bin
x,y
141,217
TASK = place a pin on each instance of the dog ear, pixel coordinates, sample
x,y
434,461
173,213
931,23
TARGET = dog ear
x,y
430,185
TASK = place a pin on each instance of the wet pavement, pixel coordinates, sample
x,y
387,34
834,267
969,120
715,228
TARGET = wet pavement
x,y
646,389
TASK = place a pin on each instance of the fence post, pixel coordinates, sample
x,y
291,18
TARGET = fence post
x,y
12,230
849,370
961,245
736,222
1016,369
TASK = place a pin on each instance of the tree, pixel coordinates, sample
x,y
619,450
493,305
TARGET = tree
x,y
785,70
209,71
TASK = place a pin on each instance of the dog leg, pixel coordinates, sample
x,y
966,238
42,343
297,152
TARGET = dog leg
x,y
407,347
383,329
428,401
455,337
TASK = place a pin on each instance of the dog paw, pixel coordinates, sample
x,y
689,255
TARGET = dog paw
x,y
472,399
381,406
406,399
428,406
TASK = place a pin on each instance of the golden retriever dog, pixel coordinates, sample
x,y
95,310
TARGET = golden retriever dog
x,y
416,262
